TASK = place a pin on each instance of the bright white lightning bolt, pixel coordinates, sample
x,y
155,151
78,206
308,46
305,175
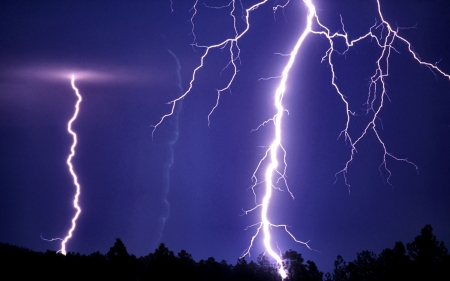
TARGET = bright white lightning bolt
x,y
276,146
72,172
376,86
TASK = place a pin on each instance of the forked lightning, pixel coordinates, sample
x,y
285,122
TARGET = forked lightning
x,y
273,163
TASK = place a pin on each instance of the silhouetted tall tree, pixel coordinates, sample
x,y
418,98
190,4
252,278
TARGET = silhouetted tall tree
x,y
293,263
429,257
340,269
297,270
187,265
163,265
266,270
394,264
117,252
123,266
313,273
365,267
244,271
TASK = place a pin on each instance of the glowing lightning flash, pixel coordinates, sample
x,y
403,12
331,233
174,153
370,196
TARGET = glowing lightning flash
x,y
275,147
72,172
384,39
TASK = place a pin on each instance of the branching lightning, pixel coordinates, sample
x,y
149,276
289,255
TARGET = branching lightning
x,y
234,55
381,33
385,41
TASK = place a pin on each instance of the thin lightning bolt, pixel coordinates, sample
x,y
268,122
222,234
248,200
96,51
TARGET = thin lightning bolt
x,y
172,140
51,239
381,33
72,172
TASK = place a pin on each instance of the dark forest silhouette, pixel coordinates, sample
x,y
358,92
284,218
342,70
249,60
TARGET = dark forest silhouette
x,y
423,259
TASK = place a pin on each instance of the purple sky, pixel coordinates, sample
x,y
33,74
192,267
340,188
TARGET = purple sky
x,y
119,51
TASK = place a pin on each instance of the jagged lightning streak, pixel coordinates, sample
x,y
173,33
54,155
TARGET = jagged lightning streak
x,y
71,170
171,141
377,81
275,147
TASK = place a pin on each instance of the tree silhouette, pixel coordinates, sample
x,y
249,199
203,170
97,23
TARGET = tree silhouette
x,y
425,259
266,270
187,265
340,269
365,267
163,265
297,270
122,265
313,273
429,257
117,252
394,264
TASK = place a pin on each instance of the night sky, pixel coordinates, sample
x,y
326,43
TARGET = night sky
x,y
119,51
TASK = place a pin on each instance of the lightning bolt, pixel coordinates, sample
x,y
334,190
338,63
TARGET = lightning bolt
x,y
172,140
380,33
72,173
272,152
71,170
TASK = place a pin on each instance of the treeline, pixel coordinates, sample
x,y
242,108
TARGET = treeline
x,y
423,259
21,264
